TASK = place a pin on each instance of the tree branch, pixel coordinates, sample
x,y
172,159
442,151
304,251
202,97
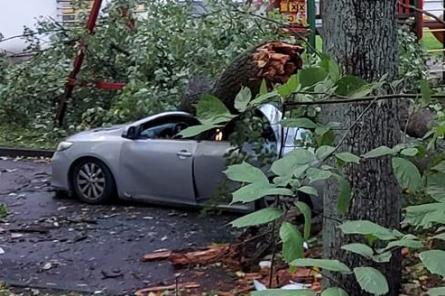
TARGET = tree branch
x,y
345,99
422,11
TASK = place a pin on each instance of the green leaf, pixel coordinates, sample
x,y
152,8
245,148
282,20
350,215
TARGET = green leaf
x,y
425,215
382,258
407,174
212,110
308,190
195,130
404,242
258,218
256,191
440,291
365,227
324,151
307,214
330,67
289,87
334,292
410,152
440,236
245,172
263,87
280,292
331,265
314,174
344,195
242,99
291,161
379,152
360,249
440,167
299,123
311,76
436,186
371,280
292,242
350,85
263,98
426,91
348,157
324,135
434,261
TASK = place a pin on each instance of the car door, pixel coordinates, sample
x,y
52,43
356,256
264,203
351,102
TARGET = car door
x,y
209,164
158,169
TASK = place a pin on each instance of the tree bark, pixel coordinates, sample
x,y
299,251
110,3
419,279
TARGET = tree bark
x,y
361,36
273,61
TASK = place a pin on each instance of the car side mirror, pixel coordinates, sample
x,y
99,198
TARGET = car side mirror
x,y
130,133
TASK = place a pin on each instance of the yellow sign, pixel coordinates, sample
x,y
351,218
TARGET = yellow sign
x,y
295,10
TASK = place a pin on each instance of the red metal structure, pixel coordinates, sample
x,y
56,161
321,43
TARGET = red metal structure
x,y
77,65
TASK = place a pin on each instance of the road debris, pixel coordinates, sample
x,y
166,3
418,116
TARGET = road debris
x,y
179,286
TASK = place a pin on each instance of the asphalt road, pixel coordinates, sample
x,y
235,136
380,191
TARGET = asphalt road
x,y
63,244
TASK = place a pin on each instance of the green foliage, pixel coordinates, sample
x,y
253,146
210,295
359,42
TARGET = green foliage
x,y
257,218
435,186
3,210
331,265
407,174
436,291
307,213
246,173
371,280
243,99
364,227
334,292
292,242
344,194
157,64
279,292
434,261
379,152
348,157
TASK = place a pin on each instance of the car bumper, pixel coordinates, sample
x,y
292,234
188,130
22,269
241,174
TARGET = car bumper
x,y
60,165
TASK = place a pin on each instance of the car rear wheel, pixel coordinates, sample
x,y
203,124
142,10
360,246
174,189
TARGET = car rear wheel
x,y
92,181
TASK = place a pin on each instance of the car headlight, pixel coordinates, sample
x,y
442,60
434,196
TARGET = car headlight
x,y
64,146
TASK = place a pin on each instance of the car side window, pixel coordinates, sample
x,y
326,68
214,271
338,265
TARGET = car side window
x,y
166,127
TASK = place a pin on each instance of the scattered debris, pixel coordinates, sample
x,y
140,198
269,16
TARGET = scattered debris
x,y
47,266
157,255
112,275
2,251
179,286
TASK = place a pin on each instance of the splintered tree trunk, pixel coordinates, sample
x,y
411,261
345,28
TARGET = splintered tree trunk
x,y
361,36
273,61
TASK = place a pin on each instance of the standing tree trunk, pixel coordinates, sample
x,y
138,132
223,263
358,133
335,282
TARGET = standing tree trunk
x,y
361,35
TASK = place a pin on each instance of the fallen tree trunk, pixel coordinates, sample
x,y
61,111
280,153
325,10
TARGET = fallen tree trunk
x,y
273,61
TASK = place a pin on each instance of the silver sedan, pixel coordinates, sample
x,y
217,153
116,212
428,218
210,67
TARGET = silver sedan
x,y
145,160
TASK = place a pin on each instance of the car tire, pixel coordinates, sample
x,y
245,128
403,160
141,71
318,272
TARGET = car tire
x,y
92,181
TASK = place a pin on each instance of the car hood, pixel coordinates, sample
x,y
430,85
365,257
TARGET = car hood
x,y
96,133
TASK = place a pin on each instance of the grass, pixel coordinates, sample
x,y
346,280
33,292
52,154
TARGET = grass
x,y
3,211
11,136
430,42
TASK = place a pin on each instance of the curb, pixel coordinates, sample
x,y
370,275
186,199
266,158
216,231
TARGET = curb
x,y
24,152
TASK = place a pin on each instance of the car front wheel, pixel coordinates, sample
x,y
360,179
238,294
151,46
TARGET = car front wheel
x,y
92,181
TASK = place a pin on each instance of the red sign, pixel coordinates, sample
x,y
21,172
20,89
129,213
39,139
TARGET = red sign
x,y
295,10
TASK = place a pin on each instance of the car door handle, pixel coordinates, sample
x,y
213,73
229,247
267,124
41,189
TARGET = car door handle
x,y
184,153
